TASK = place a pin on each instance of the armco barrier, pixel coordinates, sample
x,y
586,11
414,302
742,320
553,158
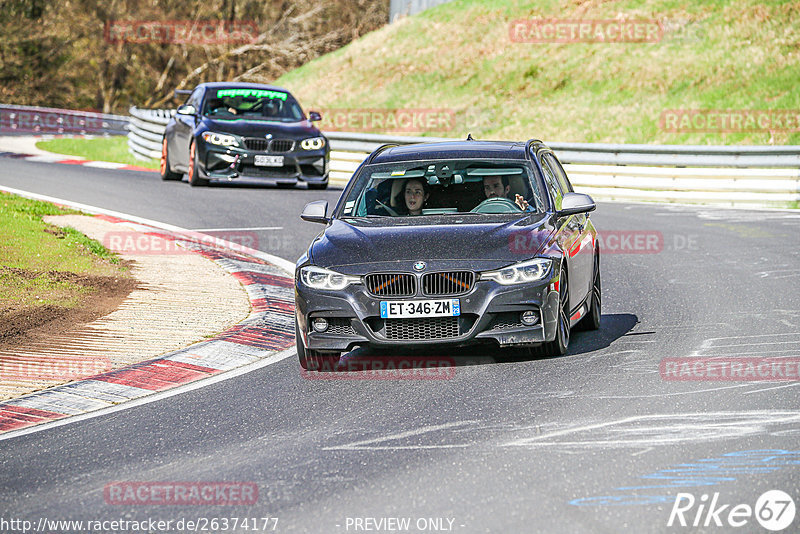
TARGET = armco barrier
x,y
727,175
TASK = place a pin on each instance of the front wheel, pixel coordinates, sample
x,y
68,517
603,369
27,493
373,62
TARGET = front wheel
x,y
592,319
194,172
558,347
166,172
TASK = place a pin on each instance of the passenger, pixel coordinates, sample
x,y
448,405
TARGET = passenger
x,y
499,187
415,192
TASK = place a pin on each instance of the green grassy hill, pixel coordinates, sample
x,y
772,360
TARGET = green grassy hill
x,y
460,58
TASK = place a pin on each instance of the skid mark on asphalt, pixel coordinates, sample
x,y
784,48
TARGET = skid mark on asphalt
x,y
731,345
637,432
377,444
668,429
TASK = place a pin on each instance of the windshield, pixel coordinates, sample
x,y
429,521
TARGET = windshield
x,y
252,104
444,187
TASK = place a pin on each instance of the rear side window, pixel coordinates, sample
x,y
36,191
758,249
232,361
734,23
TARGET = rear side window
x,y
558,170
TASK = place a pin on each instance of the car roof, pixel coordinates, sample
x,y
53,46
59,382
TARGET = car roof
x,y
241,85
452,150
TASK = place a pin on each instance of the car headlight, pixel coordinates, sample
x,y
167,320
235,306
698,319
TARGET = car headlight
x,y
520,273
314,143
319,278
220,139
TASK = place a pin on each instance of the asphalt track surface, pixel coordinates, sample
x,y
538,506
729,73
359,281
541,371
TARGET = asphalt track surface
x,y
593,441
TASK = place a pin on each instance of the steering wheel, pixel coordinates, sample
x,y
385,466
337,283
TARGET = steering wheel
x,y
496,205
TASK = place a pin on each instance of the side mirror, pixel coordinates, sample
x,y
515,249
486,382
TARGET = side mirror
x,y
187,109
573,203
316,212
314,116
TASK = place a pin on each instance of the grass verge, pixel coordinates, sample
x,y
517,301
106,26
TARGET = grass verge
x,y
43,266
461,60
113,149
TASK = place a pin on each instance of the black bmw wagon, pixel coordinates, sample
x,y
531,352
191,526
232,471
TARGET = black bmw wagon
x,y
244,132
450,243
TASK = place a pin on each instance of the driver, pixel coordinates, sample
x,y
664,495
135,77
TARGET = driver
x,y
499,187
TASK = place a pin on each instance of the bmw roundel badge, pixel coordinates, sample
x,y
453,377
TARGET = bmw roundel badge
x,y
420,265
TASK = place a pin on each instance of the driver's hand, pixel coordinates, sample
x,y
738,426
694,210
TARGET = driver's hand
x,y
521,202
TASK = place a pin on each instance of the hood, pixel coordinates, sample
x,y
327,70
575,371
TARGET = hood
x,y
256,128
358,246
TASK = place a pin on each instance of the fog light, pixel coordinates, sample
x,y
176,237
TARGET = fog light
x,y
529,318
320,324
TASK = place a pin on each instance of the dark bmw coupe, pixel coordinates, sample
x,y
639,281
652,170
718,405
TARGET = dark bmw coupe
x,y
450,243
244,131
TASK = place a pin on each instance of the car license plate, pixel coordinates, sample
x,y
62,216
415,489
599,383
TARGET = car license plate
x,y
420,308
269,161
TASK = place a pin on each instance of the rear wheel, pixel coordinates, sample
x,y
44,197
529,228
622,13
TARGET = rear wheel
x,y
592,319
194,172
559,345
166,173
314,360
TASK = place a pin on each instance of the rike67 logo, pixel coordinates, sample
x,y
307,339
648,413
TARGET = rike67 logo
x,y
774,510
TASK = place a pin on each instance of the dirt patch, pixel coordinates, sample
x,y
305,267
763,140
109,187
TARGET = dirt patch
x,y
19,327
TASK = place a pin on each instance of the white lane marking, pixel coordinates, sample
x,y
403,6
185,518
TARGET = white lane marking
x,y
104,165
365,444
275,358
234,229
280,262
762,390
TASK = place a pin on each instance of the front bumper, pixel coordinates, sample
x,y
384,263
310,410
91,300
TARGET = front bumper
x,y
237,164
489,312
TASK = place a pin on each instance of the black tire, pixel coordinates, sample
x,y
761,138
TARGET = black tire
x,y
166,172
592,319
559,346
318,186
194,172
313,360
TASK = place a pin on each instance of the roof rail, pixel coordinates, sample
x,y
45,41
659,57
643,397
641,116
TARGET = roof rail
x,y
379,150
